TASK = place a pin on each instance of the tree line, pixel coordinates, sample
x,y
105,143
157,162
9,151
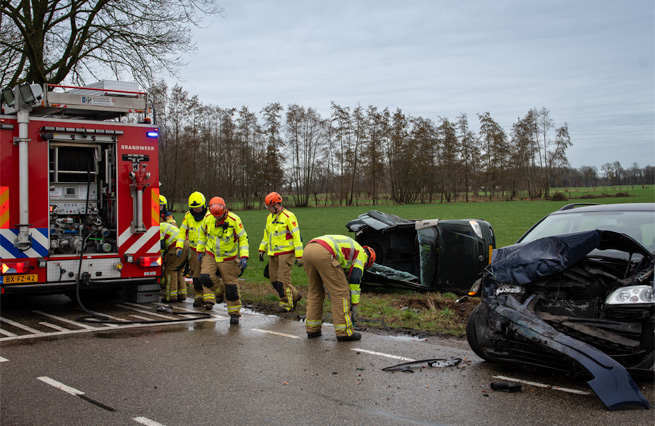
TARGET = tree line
x,y
362,155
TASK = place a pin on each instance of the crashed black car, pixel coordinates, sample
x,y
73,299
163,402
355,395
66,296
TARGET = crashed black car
x,y
430,254
575,295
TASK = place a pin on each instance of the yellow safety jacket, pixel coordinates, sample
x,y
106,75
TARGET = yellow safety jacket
x,y
167,235
282,235
225,240
351,256
189,230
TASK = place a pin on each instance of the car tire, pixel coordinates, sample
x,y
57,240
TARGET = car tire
x,y
475,318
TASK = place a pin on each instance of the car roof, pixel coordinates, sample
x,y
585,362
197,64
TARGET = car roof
x,y
577,208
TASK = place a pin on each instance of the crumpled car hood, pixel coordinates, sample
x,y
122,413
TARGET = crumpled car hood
x,y
527,262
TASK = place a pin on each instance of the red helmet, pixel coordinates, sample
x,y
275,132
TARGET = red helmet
x,y
272,199
217,207
371,256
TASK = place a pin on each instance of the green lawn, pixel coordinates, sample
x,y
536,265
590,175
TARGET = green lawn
x,y
510,219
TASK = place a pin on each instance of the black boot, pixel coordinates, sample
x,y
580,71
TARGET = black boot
x,y
234,319
351,338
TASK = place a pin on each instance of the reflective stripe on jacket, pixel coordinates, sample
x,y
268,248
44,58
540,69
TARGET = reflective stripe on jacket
x,y
224,240
282,235
168,234
350,255
189,229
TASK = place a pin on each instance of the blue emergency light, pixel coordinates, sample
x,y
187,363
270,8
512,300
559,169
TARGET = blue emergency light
x,y
152,133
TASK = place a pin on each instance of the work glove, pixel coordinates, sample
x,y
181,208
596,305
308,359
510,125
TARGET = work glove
x,y
299,262
243,263
200,255
178,252
261,256
353,312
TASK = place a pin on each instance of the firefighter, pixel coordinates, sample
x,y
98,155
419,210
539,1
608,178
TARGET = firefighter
x,y
173,285
282,242
335,263
164,214
189,230
223,246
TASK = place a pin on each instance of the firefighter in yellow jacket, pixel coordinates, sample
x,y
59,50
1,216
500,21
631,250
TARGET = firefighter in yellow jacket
x,y
282,243
191,225
335,263
223,246
173,284
164,214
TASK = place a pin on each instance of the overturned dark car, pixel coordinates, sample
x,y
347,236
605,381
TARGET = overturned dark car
x,y
575,295
448,255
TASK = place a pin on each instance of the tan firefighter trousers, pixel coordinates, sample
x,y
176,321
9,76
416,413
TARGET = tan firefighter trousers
x,y
325,273
279,268
174,285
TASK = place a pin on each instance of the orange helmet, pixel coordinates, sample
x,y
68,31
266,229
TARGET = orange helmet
x,y
371,256
217,207
272,199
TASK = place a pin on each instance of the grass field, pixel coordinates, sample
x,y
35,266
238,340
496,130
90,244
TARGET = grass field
x,y
424,313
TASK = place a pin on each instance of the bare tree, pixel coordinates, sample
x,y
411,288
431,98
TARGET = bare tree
x,y
48,41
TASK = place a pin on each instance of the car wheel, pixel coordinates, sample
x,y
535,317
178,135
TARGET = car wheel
x,y
471,334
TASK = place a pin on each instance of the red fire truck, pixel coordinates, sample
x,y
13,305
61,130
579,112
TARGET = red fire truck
x,y
79,189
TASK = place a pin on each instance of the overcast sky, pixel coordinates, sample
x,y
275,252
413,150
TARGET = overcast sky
x,y
589,62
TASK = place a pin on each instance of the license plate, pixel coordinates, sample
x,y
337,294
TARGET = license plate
x,y
17,279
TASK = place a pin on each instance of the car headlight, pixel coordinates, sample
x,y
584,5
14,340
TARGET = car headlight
x,y
630,295
504,288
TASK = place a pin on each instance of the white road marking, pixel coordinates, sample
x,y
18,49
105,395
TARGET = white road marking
x,y
75,323
275,333
402,358
21,326
60,386
56,327
3,359
542,385
139,317
154,314
7,333
99,314
146,421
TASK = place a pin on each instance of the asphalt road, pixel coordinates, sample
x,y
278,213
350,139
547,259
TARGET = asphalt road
x,y
57,371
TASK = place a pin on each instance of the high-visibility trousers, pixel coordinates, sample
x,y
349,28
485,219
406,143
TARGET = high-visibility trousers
x,y
208,267
279,269
174,285
229,271
325,274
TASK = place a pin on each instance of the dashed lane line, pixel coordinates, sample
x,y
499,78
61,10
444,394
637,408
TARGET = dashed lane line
x,y
275,333
542,385
60,386
146,421
402,358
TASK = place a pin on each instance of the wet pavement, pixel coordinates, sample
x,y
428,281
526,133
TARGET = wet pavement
x,y
264,370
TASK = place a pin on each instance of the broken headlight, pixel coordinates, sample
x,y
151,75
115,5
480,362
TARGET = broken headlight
x,y
634,294
505,288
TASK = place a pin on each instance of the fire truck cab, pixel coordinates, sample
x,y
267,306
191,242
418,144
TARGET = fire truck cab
x,y
79,189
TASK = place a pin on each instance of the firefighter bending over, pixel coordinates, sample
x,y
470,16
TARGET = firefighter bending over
x,y
223,246
282,243
164,214
191,225
173,285
335,263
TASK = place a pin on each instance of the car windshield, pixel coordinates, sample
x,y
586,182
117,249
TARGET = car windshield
x,y
639,225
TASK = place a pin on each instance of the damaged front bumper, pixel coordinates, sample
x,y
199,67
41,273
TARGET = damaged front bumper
x,y
548,304
611,381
